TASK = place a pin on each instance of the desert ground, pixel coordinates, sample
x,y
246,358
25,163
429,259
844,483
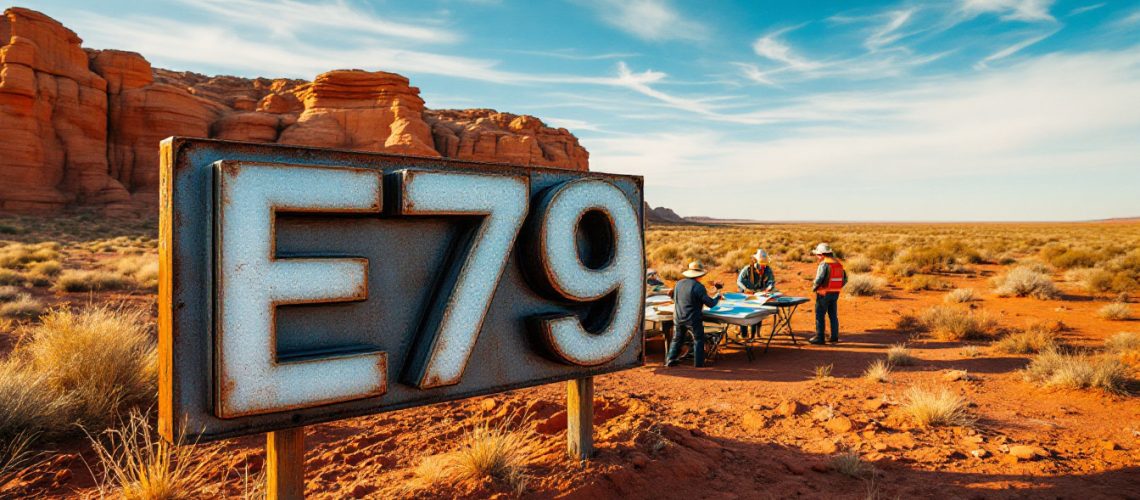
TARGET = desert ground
x,y
977,361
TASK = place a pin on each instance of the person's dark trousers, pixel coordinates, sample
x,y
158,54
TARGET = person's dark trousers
x,y
826,304
682,331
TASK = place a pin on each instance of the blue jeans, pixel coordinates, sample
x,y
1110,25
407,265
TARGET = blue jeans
x,y
827,305
697,333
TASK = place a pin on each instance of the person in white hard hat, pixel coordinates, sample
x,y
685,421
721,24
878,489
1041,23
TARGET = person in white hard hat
x,y
689,299
829,280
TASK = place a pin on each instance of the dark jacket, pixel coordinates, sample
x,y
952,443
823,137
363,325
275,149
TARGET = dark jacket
x,y
751,278
689,297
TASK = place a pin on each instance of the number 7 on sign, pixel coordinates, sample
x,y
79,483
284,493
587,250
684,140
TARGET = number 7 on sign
x,y
452,326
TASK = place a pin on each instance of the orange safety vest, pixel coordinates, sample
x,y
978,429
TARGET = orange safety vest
x,y
835,279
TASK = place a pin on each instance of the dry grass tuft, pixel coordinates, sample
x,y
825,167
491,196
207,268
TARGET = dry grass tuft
x,y
103,359
91,281
961,296
1077,371
954,324
1116,311
1122,342
849,463
942,408
10,277
971,351
30,408
139,465
864,285
485,452
878,371
143,269
858,264
899,355
10,293
926,282
19,255
22,306
1025,281
822,372
1039,337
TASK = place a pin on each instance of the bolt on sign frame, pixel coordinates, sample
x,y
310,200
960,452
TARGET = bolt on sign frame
x,y
301,285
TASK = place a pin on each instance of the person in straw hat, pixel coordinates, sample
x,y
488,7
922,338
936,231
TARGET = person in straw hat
x,y
689,299
757,276
829,280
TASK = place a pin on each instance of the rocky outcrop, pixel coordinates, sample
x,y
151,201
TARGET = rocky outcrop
x,y
487,135
82,127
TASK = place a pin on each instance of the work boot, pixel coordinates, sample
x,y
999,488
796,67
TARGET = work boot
x,y
816,340
834,340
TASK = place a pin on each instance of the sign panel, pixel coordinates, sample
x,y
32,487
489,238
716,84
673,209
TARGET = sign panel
x,y
303,285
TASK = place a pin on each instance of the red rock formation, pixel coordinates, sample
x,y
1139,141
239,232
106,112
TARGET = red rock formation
x,y
487,135
83,127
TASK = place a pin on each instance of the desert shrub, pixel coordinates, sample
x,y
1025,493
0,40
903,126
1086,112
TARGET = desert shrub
x,y
139,465
953,324
23,306
908,323
961,296
1026,282
143,269
899,355
1038,337
10,293
11,228
850,464
47,269
1122,342
666,253
1116,311
929,408
926,282
19,255
1068,258
927,259
30,409
882,252
822,372
91,281
858,264
101,358
878,371
1092,280
10,277
1077,371
485,452
865,285
901,270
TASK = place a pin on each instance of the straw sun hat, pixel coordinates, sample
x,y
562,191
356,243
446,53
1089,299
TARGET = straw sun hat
x,y
761,257
821,249
695,270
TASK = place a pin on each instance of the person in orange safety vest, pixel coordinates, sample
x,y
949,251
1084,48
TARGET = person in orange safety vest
x,y
829,280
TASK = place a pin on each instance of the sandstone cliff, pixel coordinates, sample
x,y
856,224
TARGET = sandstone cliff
x,y
82,127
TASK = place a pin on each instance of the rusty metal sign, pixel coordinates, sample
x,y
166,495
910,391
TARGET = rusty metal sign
x,y
303,285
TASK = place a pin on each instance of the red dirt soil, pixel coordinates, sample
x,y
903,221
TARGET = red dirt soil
x,y
742,429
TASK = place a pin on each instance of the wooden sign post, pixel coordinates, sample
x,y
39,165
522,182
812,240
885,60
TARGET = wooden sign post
x,y
580,418
285,464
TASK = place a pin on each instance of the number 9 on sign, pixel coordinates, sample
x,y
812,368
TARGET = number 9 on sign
x,y
586,249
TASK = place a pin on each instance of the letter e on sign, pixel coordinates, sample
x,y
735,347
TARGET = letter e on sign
x,y
251,282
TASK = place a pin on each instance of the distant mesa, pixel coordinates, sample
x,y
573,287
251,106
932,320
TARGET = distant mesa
x,y
663,215
81,127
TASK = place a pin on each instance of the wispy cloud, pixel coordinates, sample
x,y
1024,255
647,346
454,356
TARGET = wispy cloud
x,y
1011,10
1041,117
889,32
573,55
1086,8
771,47
652,20
1013,49
292,17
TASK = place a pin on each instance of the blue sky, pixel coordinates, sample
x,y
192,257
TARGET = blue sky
x,y
779,110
